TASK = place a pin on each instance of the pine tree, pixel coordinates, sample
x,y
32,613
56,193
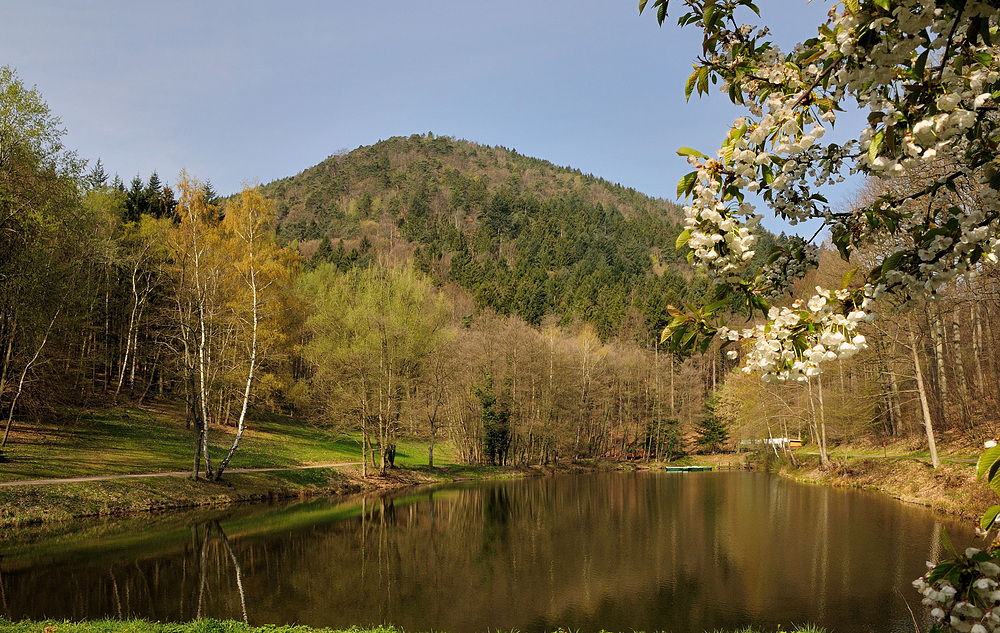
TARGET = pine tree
x,y
712,431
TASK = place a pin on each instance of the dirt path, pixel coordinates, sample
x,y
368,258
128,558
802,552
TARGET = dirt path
x,y
176,473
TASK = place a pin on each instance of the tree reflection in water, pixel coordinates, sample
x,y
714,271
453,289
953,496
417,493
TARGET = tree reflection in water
x,y
203,567
641,551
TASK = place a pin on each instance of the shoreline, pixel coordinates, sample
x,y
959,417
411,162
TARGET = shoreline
x,y
951,490
231,626
38,504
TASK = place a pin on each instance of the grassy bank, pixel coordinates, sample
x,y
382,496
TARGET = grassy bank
x,y
155,440
952,488
227,626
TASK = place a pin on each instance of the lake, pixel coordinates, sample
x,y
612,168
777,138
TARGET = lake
x,y
644,551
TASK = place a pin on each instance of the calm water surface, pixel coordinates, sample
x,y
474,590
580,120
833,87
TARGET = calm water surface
x,y
681,552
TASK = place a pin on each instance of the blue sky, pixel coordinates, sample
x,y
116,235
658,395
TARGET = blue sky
x,y
254,91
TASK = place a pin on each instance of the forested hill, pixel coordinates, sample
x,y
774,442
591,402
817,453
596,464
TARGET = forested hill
x,y
524,236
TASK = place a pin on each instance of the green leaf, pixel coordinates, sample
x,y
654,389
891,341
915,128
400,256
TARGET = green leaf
x,y
993,176
853,6
687,151
921,63
892,261
705,344
712,307
686,185
708,15
845,281
946,541
703,80
981,557
884,4
876,145
989,518
686,340
994,478
689,86
682,239
987,460
940,571
727,154
642,6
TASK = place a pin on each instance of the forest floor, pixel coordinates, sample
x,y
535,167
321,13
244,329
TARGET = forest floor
x,y
109,462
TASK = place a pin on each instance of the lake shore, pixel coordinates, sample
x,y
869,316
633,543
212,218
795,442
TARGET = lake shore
x,y
137,454
951,489
137,443
225,626
37,504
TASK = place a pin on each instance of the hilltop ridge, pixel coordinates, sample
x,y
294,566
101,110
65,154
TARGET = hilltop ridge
x,y
522,235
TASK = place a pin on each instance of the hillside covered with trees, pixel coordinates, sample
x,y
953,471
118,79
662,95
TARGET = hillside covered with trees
x,y
431,287
521,235
421,286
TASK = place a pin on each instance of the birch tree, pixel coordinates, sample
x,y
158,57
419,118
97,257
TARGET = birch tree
x,y
371,331
262,273
228,276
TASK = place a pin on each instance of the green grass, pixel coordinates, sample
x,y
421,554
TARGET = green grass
x,y
143,626
132,441
87,443
229,626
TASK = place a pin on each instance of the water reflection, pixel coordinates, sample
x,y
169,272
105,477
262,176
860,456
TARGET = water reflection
x,y
641,551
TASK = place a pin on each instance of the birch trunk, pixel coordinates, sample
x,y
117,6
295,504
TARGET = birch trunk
x,y
132,321
977,346
254,322
937,335
963,388
925,408
820,430
24,373
894,397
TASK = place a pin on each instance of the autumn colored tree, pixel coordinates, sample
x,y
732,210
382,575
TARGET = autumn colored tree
x,y
228,278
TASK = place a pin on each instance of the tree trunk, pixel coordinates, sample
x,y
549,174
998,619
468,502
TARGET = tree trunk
x,y
241,424
963,388
430,448
937,335
894,398
20,383
820,438
822,421
928,427
977,346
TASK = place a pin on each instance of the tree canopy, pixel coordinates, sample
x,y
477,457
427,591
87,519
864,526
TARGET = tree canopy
x,y
927,75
